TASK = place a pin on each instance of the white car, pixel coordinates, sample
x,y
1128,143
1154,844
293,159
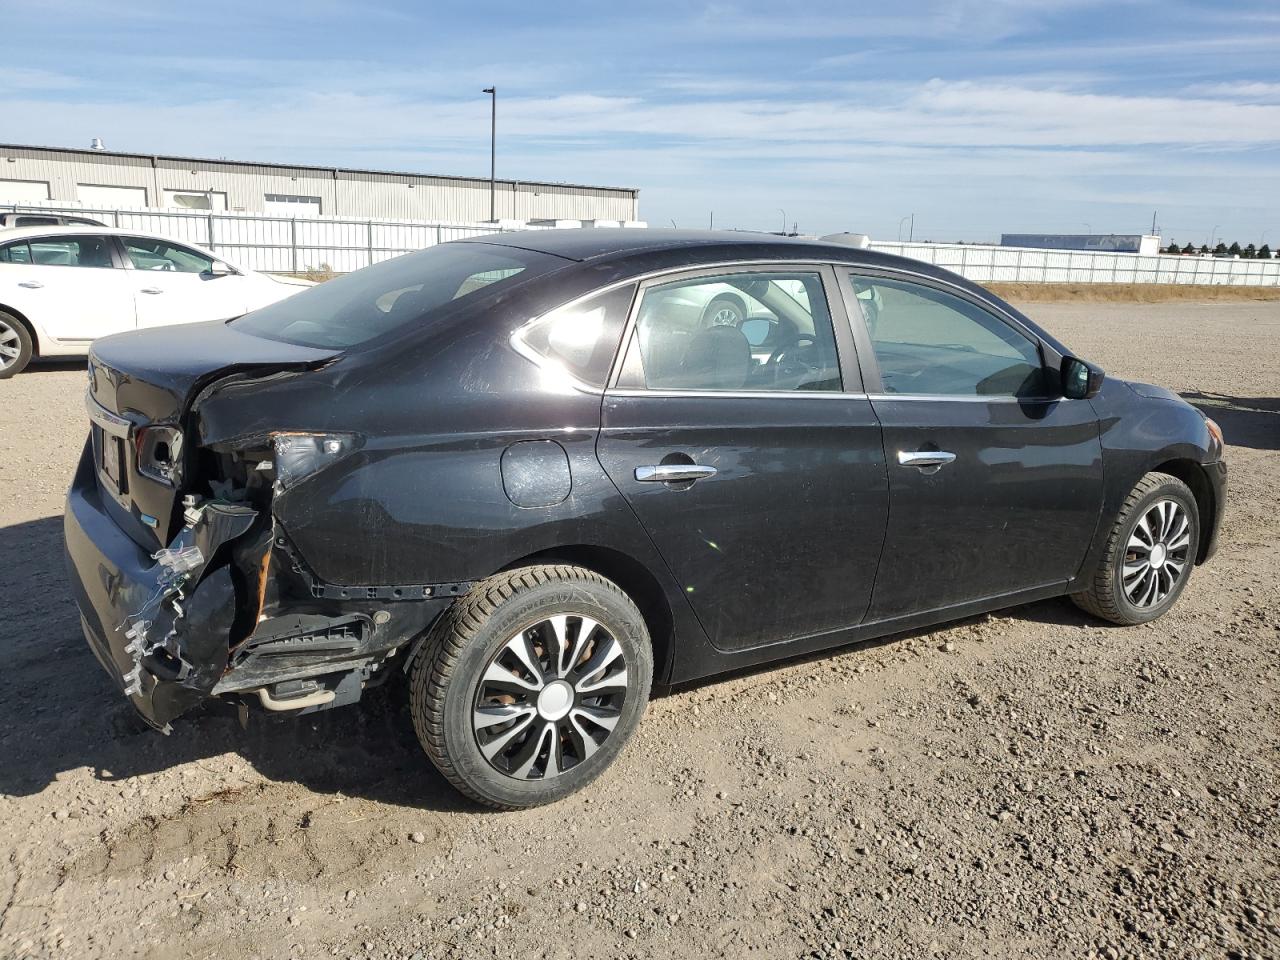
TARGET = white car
x,y
63,287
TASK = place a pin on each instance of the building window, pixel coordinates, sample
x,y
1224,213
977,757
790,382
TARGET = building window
x,y
289,205
196,199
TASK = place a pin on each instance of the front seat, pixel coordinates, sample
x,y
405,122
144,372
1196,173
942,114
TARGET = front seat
x,y
718,358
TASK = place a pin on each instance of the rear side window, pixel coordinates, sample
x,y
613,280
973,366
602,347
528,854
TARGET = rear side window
x,y
61,252
15,253
757,331
582,337
410,290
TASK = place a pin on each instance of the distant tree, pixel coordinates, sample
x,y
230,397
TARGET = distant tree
x,y
1173,247
1264,252
1234,249
1204,248
1220,250
1249,252
1189,248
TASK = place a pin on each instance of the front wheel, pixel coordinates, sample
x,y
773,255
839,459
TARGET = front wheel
x,y
531,684
1149,554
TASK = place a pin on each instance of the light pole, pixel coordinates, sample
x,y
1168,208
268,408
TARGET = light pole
x,y
784,220
1087,227
493,151
1213,233
901,222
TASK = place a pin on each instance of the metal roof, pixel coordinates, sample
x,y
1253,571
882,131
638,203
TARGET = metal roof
x,y
306,166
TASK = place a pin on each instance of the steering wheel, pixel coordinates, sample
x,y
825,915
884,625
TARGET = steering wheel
x,y
788,358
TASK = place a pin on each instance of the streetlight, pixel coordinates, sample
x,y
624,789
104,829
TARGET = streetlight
x,y
493,151
1087,227
784,220
1213,233
912,218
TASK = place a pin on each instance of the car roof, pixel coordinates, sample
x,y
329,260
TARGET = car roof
x,y
587,243
79,229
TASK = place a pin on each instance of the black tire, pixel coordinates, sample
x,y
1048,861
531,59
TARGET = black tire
x,y
446,677
722,304
13,332
1106,597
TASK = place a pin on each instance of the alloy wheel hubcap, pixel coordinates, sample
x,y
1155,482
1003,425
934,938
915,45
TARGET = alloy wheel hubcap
x,y
550,697
724,317
10,345
1156,554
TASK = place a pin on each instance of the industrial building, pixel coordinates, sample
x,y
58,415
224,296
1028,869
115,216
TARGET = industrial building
x,y
105,179
1093,242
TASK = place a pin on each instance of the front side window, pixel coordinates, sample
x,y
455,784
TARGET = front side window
x,y
734,332
582,337
63,252
413,289
149,253
930,342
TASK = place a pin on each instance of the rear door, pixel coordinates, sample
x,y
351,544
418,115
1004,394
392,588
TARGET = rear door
x,y
995,480
173,283
748,452
70,285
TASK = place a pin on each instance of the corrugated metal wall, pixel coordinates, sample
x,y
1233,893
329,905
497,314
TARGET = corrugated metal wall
x,y
346,193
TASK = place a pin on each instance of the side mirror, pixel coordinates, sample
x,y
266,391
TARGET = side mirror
x,y
218,269
1080,380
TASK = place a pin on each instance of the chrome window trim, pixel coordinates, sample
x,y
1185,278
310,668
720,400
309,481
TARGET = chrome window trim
x,y
738,394
962,398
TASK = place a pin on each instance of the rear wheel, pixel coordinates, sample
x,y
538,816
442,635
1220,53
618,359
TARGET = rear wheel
x,y
531,684
15,345
1149,554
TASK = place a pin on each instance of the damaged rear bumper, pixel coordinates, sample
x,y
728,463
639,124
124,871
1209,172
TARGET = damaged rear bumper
x,y
223,611
160,629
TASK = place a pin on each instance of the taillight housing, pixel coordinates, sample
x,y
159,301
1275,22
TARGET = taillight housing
x,y
158,453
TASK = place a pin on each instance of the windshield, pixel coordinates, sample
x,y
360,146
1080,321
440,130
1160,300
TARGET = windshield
x,y
410,289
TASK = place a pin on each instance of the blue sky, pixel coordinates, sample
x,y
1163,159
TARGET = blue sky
x,y
978,117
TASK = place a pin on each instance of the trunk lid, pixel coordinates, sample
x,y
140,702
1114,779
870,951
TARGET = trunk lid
x,y
149,379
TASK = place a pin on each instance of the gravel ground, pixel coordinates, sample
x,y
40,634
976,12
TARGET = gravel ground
x,y
1028,784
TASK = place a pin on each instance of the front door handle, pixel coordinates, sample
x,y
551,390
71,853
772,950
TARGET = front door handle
x,y
673,472
925,458
30,284
151,290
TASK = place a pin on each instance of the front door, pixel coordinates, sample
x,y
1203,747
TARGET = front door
x,y
173,283
730,433
995,480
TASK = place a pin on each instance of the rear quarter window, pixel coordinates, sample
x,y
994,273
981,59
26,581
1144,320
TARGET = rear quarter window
x,y
582,337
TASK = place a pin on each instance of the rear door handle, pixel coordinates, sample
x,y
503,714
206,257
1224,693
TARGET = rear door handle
x,y
151,290
30,284
673,472
925,458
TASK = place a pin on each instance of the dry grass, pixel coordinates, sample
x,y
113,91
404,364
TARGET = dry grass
x,y
1128,292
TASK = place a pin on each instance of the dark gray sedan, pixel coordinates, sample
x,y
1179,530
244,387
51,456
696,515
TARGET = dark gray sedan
x,y
539,472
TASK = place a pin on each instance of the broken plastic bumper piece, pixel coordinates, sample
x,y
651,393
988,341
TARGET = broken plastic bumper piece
x,y
157,622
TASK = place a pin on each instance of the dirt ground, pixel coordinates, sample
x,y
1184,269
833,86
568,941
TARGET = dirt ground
x,y
1030,784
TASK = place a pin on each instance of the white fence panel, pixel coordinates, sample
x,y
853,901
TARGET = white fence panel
x,y
986,263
